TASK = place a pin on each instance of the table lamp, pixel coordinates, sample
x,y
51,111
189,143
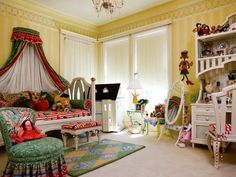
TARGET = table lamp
x,y
134,84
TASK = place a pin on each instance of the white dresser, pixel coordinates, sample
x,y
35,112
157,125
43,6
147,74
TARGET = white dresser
x,y
202,116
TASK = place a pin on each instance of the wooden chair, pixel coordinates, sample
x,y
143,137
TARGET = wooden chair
x,y
224,130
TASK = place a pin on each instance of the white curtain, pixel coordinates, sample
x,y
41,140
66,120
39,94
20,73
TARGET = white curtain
x,y
151,64
28,74
116,62
77,58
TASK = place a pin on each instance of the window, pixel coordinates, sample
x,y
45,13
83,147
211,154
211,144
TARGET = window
x,y
151,64
145,53
77,56
116,62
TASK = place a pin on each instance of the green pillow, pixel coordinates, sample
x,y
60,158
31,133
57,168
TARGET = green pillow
x,y
77,104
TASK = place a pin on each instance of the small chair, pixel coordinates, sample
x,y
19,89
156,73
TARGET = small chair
x,y
224,130
41,157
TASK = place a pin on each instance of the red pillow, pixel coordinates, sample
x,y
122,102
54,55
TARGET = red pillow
x,y
42,105
87,104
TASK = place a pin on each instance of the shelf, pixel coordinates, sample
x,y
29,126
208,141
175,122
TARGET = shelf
x,y
217,36
215,57
212,63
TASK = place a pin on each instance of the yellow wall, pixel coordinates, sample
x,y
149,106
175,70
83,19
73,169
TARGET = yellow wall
x,y
49,36
184,14
15,13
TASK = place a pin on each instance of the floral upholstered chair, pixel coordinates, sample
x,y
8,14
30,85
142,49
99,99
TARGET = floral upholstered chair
x,y
41,157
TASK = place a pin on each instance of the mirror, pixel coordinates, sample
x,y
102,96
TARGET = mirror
x,y
173,107
174,102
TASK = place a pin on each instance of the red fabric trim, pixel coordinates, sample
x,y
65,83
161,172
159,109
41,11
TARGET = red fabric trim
x,y
26,37
14,59
50,72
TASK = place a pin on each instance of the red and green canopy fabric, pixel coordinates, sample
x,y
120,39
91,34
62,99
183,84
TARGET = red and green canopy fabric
x,y
27,46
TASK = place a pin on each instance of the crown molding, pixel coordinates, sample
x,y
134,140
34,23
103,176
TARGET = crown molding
x,y
7,8
180,11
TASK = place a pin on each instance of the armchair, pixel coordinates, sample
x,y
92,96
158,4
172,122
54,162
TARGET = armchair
x,y
41,157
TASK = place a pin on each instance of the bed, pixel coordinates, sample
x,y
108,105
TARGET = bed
x,y
27,69
78,89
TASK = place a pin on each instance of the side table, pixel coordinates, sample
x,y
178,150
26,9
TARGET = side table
x,y
154,121
137,125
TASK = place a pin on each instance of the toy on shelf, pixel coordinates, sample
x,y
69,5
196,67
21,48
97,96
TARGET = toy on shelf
x,y
184,65
209,86
203,29
207,50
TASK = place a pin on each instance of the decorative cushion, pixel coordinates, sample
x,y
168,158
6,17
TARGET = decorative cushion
x,y
36,150
23,102
79,125
77,104
82,104
42,105
35,96
228,129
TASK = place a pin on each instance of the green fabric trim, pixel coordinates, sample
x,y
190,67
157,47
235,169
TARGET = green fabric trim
x,y
15,48
26,31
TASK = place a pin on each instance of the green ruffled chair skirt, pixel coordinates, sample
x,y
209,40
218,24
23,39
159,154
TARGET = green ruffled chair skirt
x,y
42,158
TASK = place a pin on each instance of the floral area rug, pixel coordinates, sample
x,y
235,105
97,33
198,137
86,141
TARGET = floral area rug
x,y
91,156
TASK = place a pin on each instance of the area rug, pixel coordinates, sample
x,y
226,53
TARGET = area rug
x,y
91,156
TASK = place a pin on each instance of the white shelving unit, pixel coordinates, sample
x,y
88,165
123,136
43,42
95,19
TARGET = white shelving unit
x,y
216,68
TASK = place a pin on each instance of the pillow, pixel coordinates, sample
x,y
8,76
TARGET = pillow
x,y
77,104
35,96
26,103
61,99
3,103
48,97
82,104
42,105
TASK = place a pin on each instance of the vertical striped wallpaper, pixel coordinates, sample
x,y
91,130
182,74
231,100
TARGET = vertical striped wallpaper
x,y
183,37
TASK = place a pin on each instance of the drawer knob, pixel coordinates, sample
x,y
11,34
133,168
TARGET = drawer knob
x,y
207,118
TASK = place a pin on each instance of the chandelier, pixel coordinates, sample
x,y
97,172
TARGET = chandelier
x,y
108,5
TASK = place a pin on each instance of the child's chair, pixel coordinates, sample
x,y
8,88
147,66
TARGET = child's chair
x,y
41,157
224,130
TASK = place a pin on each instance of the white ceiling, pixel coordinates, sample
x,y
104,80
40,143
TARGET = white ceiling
x,y
84,10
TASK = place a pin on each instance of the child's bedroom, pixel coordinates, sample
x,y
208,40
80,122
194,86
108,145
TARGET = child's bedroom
x,y
121,88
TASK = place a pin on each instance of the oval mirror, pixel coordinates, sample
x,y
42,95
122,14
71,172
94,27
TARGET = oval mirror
x,y
174,102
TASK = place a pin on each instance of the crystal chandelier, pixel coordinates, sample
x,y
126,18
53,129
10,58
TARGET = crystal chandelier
x,y
108,5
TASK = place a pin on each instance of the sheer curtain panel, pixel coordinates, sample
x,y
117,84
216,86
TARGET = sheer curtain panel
x,y
77,57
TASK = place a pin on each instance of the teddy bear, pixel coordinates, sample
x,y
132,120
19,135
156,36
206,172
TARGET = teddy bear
x,y
159,111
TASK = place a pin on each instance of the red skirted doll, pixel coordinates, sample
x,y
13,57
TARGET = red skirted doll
x,y
184,65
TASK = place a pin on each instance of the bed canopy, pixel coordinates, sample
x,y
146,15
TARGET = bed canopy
x,y
27,68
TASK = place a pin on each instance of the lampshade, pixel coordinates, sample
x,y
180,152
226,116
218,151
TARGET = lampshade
x,y
134,84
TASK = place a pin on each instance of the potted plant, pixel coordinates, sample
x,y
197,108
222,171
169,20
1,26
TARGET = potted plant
x,y
143,103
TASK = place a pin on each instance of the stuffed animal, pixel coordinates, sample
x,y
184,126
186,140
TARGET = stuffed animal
x,y
159,111
209,85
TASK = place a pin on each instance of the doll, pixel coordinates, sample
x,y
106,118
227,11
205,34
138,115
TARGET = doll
x,y
184,65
